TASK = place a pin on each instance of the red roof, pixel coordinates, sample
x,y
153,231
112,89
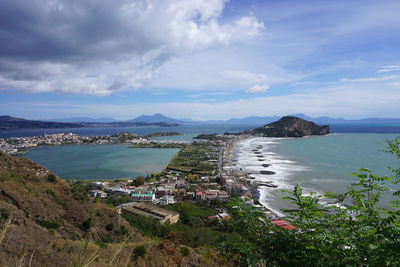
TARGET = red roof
x,y
284,224
199,193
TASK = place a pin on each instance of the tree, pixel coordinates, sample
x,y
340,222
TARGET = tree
x,y
140,180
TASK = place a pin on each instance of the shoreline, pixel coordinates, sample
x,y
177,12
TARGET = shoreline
x,y
253,185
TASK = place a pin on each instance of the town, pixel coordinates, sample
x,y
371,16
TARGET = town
x,y
20,145
199,173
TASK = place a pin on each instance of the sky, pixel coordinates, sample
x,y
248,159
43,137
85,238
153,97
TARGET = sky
x,y
198,59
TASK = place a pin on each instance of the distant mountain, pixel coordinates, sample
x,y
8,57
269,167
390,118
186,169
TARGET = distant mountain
x,y
155,118
329,120
290,126
84,119
12,123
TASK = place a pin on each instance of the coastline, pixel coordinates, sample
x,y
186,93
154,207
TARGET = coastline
x,y
252,183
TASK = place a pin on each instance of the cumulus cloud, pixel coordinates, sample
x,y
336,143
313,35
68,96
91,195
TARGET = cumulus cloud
x,y
258,88
100,47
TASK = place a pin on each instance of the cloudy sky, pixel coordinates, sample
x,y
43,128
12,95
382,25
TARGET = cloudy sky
x,y
199,59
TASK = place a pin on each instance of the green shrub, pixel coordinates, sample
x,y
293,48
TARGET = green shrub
x,y
110,227
51,178
185,251
101,244
122,231
139,251
85,226
5,213
47,224
108,239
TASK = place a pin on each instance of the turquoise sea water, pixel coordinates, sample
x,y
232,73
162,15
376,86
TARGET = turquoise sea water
x,y
319,164
101,161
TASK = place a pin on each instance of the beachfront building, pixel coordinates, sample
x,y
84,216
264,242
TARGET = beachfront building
x,y
143,195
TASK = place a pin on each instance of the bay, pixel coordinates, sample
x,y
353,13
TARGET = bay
x,y
318,163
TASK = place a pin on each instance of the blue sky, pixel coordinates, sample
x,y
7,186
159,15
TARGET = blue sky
x,y
197,59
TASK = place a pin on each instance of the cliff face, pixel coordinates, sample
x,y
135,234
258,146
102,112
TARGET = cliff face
x,y
291,127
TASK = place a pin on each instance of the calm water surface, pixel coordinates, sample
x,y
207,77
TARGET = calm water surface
x,y
101,161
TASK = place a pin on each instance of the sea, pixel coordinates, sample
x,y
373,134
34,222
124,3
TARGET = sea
x,y
318,163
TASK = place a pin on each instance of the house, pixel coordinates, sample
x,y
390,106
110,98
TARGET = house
x,y
211,194
200,195
142,195
223,196
129,187
241,189
166,200
164,190
97,193
190,195
205,179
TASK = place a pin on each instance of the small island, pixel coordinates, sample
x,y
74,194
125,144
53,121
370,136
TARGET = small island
x,y
160,134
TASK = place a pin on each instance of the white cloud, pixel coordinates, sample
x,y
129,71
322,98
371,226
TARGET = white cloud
x,y
256,89
372,79
136,39
389,68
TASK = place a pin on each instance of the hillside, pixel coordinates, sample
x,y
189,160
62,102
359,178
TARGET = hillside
x,y
290,127
42,223
12,123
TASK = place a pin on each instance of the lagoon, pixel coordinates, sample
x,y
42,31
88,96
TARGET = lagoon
x,y
101,161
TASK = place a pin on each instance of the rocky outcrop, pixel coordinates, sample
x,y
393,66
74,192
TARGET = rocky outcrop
x,y
290,127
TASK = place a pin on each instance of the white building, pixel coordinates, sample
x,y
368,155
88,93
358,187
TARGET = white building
x,y
166,200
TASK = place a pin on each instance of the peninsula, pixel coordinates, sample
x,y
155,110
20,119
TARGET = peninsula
x,y
290,126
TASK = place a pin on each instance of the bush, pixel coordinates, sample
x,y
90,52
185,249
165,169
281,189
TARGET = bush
x,y
110,227
85,226
5,213
51,178
122,231
108,239
139,251
47,224
185,251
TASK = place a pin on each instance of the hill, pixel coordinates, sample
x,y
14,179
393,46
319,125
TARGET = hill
x,y
155,118
84,119
46,222
290,126
12,123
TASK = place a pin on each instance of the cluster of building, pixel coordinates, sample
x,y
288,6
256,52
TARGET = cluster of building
x,y
22,144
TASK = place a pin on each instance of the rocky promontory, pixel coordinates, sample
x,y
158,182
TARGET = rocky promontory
x,y
290,126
